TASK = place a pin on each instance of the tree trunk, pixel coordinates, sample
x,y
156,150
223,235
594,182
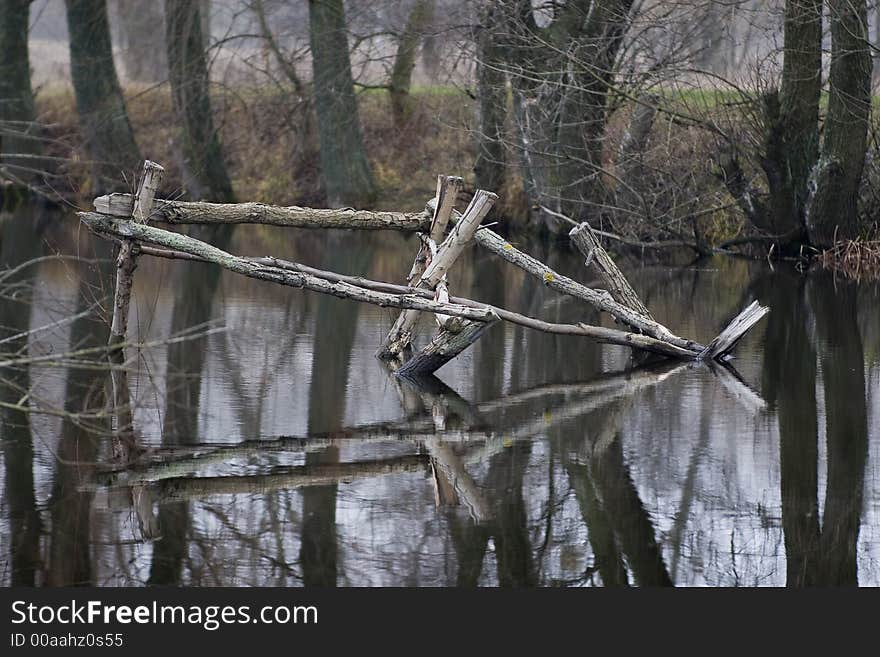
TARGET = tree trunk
x,y
106,130
17,113
491,107
631,171
405,59
792,120
560,98
205,174
832,213
347,175
142,48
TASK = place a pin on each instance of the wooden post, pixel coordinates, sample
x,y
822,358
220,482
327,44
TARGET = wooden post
x,y
400,335
126,261
448,188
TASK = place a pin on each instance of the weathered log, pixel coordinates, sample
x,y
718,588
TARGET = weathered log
x,y
198,212
112,226
456,336
126,260
400,335
599,334
615,282
735,330
600,299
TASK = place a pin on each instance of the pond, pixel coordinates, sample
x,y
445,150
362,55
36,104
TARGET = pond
x,y
279,451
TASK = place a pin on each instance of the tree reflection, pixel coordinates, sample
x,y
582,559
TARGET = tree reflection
x,y
826,555
616,519
334,331
77,450
20,243
193,306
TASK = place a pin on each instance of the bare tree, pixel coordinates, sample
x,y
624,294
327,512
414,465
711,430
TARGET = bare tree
x,y
107,133
405,60
347,174
205,174
141,46
491,104
561,71
17,113
792,120
833,213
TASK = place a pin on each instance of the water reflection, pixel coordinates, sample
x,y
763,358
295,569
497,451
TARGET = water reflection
x,y
280,452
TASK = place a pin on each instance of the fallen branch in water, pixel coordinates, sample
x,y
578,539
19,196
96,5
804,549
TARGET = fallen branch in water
x,y
461,321
360,289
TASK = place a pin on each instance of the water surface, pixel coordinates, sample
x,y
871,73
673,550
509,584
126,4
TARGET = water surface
x,y
283,453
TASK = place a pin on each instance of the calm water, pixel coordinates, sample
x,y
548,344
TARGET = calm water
x,y
281,452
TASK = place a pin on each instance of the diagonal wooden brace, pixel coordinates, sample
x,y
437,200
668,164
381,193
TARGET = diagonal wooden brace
x,y
400,335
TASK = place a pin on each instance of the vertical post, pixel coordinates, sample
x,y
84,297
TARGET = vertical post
x,y
126,261
448,188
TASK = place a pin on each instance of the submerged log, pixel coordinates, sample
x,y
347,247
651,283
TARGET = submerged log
x,y
198,212
600,299
430,269
456,336
598,334
359,289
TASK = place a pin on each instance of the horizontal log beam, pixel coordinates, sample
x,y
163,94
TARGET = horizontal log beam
x,y
198,212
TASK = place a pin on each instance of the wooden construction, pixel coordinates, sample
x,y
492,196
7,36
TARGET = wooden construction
x,y
444,234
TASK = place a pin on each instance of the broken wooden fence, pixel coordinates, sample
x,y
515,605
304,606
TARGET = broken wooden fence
x,y
444,234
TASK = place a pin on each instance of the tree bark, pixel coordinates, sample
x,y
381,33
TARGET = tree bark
x,y
791,141
205,174
109,139
833,213
142,48
17,113
560,101
405,58
348,177
216,214
491,107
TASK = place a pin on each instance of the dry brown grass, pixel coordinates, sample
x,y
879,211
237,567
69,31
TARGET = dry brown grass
x,y
270,154
856,259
